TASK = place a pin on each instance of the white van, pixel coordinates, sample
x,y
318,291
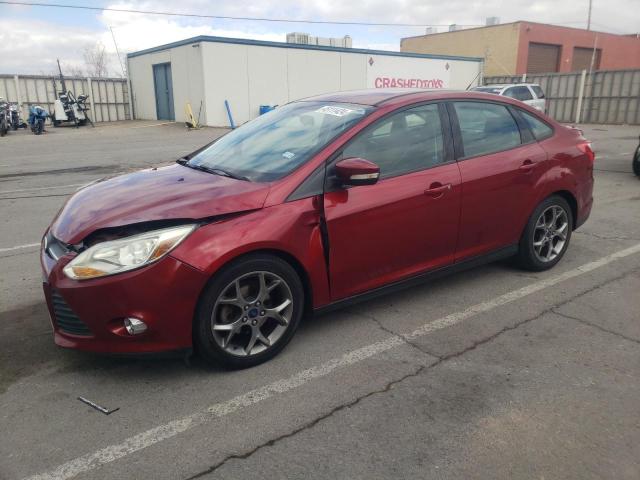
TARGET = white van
x,y
529,93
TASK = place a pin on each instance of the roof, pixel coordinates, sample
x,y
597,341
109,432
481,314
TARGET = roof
x,y
498,25
391,96
297,46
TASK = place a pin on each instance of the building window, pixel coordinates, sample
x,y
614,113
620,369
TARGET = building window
x,y
582,59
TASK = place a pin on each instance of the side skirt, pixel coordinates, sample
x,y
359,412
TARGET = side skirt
x,y
431,275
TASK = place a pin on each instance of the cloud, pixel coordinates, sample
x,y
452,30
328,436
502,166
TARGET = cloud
x,y
31,46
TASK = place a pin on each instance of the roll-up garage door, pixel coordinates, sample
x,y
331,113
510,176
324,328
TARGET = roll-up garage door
x,y
582,59
543,58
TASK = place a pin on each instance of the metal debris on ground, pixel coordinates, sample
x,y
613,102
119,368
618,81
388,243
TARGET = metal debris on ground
x,y
104,410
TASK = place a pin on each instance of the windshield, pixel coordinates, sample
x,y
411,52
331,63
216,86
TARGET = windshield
x,y
487,89
278,142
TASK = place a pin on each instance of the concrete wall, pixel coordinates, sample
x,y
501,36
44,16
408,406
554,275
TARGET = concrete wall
x,y
187,79
108,97
618,51
498,46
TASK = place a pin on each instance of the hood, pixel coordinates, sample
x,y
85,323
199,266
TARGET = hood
x,y
173,192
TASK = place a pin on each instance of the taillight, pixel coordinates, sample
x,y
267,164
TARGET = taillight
x,y
585,147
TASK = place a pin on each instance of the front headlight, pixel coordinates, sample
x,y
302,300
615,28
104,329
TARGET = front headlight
x,y
117,256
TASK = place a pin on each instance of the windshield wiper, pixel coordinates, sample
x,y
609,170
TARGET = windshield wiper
x,y
215,171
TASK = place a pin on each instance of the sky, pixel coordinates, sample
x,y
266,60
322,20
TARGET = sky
x,y
31,38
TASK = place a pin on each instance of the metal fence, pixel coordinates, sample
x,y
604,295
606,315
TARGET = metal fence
x,y
108,97
609,96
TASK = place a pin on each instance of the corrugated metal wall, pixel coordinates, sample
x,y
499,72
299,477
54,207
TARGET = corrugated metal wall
x,y
610,96
108,97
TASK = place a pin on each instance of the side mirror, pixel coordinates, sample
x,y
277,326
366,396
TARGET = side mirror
x,y
357,171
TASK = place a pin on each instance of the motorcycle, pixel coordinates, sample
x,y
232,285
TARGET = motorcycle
x,y
37,117
14,117
636,162
5,117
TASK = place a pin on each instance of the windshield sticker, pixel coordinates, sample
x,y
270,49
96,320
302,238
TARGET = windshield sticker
x,y
336,111
288,155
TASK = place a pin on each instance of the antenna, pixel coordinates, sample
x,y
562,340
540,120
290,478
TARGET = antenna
x,y
117,51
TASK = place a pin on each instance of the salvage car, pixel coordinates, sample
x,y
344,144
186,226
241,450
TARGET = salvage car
x,y
315,205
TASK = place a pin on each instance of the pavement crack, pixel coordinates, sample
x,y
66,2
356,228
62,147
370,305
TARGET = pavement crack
x,y
606,237
309,424
421,369
403,337
596,326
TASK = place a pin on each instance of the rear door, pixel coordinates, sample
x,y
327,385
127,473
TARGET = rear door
x,y
408,221
500,166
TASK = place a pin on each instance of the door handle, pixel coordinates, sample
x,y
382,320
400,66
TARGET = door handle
x,y
527,166
436,190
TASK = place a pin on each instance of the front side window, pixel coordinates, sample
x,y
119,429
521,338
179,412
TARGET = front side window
x,y
540,129
521,93
273,145
404,142
486,128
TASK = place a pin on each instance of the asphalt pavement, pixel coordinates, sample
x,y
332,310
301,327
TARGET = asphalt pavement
x,y
490,373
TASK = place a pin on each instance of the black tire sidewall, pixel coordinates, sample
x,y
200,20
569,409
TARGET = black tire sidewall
x,y
526,252
203,339
636,162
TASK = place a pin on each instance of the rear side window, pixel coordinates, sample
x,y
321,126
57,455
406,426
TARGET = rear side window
x,y
521,93
404,142
486,128
540,129
538,91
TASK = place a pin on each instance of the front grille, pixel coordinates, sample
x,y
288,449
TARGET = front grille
x,y
65,318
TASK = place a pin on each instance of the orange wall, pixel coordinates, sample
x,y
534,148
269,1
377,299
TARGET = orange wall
x,y
618,52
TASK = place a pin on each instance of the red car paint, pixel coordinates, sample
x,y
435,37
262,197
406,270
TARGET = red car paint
x,y
377,234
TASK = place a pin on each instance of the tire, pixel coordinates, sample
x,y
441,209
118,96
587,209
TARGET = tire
x,y
544,242
226,323
3,129
636,162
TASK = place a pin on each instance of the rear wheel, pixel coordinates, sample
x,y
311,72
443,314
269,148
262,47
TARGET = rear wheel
x,y
546,236
249,311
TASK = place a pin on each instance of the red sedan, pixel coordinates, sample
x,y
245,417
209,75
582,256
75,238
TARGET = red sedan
x,y
319,203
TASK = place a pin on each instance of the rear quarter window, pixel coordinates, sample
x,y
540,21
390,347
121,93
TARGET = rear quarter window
x,y
539,129
538,91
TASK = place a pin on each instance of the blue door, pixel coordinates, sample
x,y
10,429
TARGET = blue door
x,y
164,91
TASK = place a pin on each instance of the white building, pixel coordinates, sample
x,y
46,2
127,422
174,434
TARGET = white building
x,y
207,71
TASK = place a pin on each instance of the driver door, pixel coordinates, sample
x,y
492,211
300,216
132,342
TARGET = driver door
x,y
406,223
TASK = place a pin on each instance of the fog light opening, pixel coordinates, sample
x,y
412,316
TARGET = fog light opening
x,y
134,326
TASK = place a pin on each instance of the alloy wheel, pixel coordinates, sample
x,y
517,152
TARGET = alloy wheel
x,y
252,313
550,233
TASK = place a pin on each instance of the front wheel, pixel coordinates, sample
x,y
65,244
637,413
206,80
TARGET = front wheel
x,y
249,311
636,162
546,236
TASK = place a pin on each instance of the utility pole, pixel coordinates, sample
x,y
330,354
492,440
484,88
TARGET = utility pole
x,y
589,16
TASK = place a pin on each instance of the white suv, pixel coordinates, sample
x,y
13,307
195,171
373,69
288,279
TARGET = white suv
x,y
529,93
